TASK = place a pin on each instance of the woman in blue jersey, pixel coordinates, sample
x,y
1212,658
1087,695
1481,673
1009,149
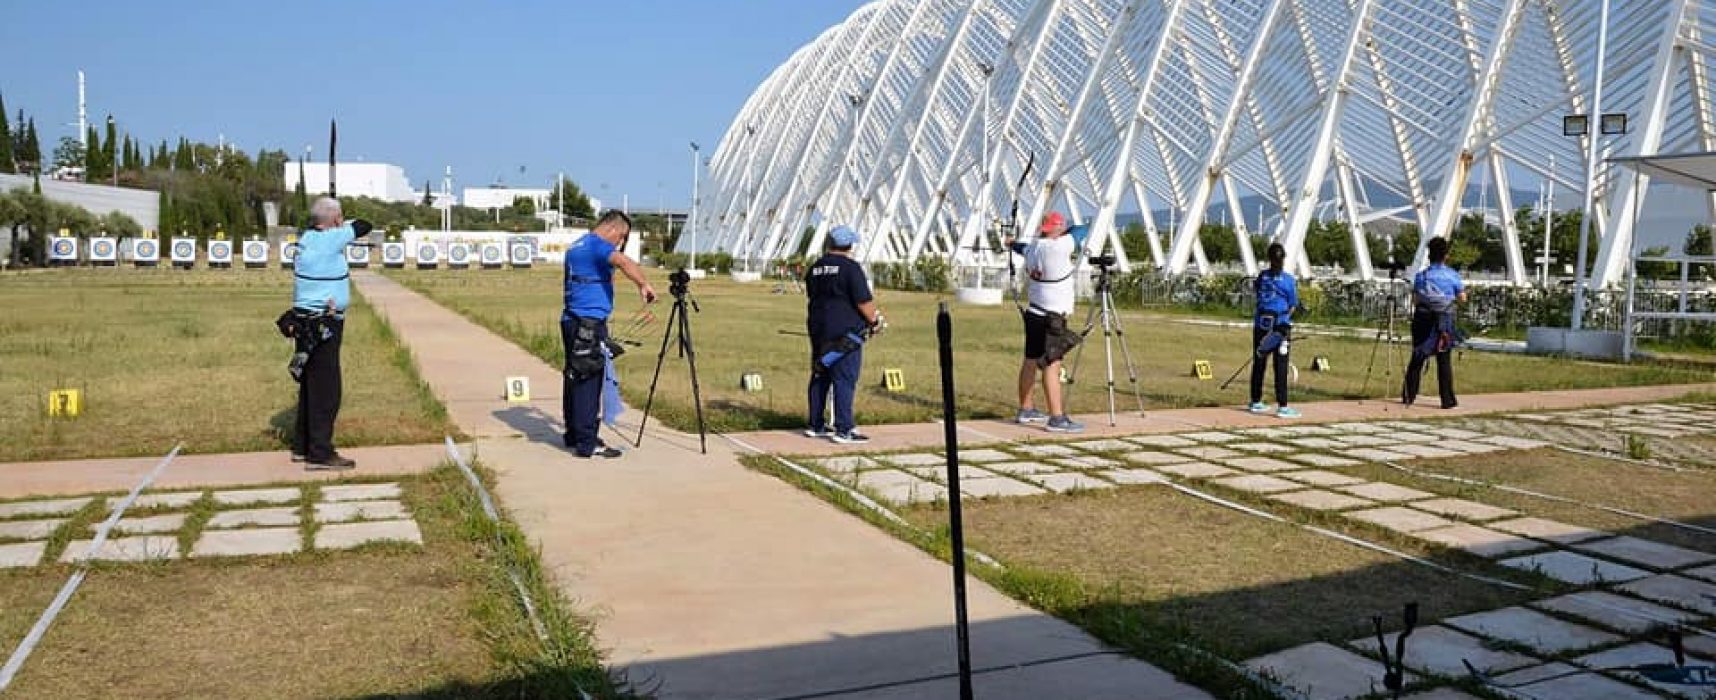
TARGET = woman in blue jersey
x,y
1277,299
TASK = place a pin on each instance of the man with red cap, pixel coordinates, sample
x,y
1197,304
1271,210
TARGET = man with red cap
x,y
1050,266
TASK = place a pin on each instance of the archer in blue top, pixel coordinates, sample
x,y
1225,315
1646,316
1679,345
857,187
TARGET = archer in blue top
x,y
588,290
1435,292
321,290
1277,299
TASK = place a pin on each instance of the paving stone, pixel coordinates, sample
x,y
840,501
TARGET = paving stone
x,y
1646,553
1062,483
1548,530
1458,433
1629,615
984,456
832,465
1483,542
1707,573
939,474
245,543
1134,476
125,549
1374,440
1323,670
1552,681
1409,437
997,486
1087,462
1321,460
13,556
1399,519
1385,492
1425,451
1440,650
1514,443
1441,694
30,529
152,525
1262,464
354,534
1314,430
1318,443
1469,447
252,497
1463,509
1639,654
1397,425
919,460
1215,436
1317,477
1266,448
63,506
1320,500
1155,458
373,492
1160,441
1104,445
1020,468
182,499
916,492
1045,450
1269,433
1676,591
1209,452
371,510
1533,629
1576,569
267,517
1359,428
1375,454
1258,483
1196,470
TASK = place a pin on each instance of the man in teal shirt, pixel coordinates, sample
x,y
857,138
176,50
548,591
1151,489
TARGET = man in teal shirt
x,y
321,290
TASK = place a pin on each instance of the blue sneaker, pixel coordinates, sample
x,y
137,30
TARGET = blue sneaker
x,y
1258,407
1064,424
1031,415
1287,412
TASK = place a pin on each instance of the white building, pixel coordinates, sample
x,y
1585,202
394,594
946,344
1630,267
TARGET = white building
x,y
502,197
379,180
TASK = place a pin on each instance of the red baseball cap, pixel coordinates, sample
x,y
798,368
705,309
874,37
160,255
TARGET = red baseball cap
x,y
1053,221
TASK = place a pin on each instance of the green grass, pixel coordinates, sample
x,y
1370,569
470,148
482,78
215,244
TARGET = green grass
x,y
164,356
384,620
740,330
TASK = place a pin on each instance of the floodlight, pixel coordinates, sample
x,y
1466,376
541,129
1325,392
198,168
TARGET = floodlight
x,y
1575,125
1613,123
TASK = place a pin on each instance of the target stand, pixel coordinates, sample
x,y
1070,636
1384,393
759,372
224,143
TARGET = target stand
x,y
183,253
492,256
220,253
459,256
393,255
104,251
255,254
62,249
146,252
428,258
288,252
357,257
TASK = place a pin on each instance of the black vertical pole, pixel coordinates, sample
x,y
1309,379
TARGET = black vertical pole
x,y
944,339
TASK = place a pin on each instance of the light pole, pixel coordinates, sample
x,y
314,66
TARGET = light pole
x,y
1572,126
691,219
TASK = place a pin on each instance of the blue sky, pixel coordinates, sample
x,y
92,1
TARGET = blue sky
x,y
612,92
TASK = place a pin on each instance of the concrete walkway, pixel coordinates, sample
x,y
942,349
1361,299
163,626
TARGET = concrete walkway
x,y
1128,422
714,581
28,479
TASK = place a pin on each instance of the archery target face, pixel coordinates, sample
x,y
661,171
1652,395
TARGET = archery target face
x,y
357,255
103,249
184,250
491,254
255,252
393,253
459,254
146,250
63,249
426,253
220,252
520,253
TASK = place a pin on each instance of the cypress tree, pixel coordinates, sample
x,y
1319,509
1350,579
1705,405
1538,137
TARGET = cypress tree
x,y
7,162
184,161
32,148
109,159
92,156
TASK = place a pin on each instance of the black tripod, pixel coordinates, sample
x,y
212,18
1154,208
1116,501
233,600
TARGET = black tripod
x,y
1385,332
1103,312
679,323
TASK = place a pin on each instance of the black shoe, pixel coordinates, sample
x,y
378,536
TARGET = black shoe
x,y
298,457
604,452
1448,405
335,463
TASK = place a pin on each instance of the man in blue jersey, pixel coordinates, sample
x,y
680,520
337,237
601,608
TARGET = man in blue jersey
x,y
1271,329
839,310
1435,291
321,289
589,294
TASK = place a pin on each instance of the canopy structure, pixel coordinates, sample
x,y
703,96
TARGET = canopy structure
x,y
922,122
1695,170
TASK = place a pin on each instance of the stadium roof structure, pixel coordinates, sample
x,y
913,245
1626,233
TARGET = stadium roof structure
x,y
925,123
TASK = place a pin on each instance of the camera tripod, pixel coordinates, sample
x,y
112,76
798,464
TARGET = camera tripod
x,y
1385,332
1103,313
679,329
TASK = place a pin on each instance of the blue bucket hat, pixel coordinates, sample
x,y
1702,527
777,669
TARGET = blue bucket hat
x,y
843,237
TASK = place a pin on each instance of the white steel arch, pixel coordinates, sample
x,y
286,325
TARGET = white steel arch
x,y
915,120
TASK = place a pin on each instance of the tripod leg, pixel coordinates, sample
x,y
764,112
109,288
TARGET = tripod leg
x,y
696,390
1078,353
660,357
1126,354
1108,328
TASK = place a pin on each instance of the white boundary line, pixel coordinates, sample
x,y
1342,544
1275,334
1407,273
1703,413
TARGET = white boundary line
x,y
494,516
22,653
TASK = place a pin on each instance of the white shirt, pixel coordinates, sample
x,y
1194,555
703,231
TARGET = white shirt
x,y
1049,265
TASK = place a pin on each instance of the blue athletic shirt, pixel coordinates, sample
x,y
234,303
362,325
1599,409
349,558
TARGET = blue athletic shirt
x,y
1437,286
589,278
1277,294
836,286
319,272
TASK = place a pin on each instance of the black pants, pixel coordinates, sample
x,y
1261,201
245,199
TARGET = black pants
x,y
1260,363
581,398
319,396
1424,326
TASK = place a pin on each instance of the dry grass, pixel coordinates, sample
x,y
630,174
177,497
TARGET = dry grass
x,y
740,328
164,356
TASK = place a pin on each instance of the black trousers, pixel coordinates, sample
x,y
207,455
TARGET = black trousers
x,y
319,396
1424,326
581,398
1261,363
